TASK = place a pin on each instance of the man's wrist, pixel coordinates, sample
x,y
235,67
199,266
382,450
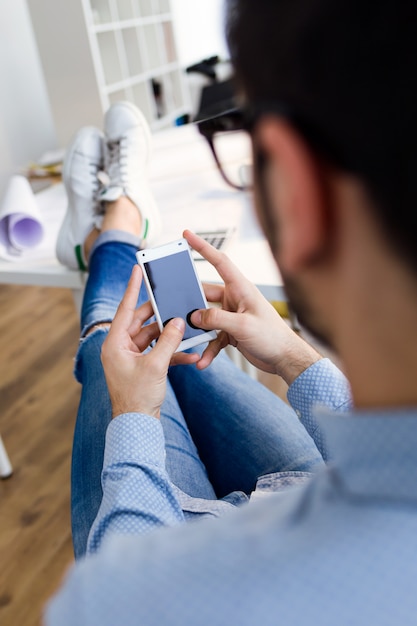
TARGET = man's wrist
x,y
295,358
118,410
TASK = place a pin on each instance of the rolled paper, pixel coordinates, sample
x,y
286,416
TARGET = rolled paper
x,y
21,224
24,231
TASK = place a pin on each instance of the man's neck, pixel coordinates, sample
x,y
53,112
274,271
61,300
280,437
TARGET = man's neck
x,y
379,346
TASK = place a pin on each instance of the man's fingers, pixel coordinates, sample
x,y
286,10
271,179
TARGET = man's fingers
x,y
141,315
147,334
126,310
214,293
213,350
227,270
185,358
169,341
217,319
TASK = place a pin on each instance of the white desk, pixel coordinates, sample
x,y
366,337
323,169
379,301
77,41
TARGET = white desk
x,y
190,194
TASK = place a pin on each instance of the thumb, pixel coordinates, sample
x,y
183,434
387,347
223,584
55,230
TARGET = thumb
x,y
169,340
216,319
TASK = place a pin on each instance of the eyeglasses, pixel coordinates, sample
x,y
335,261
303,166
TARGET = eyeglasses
x,y
229,137
230,143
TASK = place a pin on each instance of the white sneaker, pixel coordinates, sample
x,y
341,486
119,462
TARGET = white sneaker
x,y
83,161
126,155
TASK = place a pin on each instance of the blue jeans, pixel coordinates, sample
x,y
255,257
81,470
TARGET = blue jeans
x,y
223,430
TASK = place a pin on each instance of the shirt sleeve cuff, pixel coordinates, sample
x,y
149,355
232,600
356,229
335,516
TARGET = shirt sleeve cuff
x,y
136,438
321,384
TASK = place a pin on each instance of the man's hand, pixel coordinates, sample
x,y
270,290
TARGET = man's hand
x,y
137,381
247,321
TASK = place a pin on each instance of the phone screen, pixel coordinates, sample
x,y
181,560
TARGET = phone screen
x,y
176,289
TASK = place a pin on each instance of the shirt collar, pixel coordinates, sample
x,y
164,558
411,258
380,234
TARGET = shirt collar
x,y
374,452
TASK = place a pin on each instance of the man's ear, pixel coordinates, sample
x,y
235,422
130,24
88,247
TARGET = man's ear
x,y
296,194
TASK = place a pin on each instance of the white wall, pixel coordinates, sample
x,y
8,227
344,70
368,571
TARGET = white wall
x,y
26,126
199,32
26,129
199,28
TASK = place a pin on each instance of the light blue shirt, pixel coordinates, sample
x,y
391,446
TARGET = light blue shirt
x,y
340,548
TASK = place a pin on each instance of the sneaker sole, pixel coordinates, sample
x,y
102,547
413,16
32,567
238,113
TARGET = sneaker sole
x,y
75,261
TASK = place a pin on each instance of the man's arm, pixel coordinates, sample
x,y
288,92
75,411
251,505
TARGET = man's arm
x,y
137,493
248,321
321,384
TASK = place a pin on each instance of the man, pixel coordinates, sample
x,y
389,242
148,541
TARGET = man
x,y
331,102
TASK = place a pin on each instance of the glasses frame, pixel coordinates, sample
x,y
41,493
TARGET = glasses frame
x,y
228,121
238,119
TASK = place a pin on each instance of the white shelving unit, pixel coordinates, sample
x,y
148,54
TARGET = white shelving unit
x,y
97,52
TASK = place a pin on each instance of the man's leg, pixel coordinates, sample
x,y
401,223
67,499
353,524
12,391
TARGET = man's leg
x,y
110,267
241,429
107,244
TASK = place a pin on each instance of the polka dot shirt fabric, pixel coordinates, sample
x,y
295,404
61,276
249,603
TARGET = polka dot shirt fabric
x,y
340,548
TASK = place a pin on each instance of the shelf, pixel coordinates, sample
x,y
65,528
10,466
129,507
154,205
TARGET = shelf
x,y
142,21
143,76
111,12
141,90
125,50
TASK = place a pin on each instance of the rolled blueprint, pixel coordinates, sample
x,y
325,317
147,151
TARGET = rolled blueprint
x,y
21,225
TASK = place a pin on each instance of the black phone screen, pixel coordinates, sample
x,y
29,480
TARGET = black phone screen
x,y
176,289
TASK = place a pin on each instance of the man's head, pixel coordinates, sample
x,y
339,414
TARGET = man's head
x,y
343,74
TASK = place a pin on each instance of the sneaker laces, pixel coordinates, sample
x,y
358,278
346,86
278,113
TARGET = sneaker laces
x,y
97,183
94,178
115,163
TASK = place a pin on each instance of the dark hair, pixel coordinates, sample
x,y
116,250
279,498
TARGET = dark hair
x,y
347,70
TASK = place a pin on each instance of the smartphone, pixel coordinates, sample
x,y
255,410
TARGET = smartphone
x,y
174,288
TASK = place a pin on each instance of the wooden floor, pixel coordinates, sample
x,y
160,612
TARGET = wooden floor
x,y
38,403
